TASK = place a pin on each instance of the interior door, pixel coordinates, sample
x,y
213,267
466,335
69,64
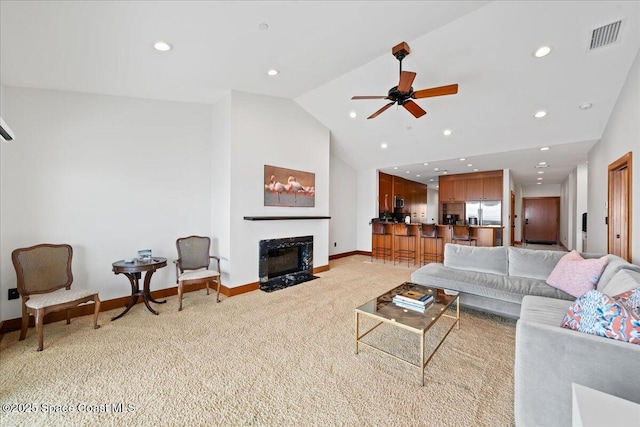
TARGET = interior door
x,y
619,219
541,219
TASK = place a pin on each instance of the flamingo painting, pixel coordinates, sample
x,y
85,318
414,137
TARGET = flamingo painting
x,y
299,190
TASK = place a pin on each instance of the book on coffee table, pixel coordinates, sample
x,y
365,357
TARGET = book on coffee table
x,y
412,306
414,297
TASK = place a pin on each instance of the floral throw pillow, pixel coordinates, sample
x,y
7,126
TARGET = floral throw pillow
x,y
615,317
576,275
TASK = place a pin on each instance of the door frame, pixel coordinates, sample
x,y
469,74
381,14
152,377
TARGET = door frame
x,y
625,161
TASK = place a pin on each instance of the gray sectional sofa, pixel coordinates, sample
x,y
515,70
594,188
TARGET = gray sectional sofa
x,y
494,279
511,282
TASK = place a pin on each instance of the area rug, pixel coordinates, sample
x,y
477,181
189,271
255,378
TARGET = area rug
x,y
284,358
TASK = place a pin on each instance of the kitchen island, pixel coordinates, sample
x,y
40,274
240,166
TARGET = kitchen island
x,y
485,235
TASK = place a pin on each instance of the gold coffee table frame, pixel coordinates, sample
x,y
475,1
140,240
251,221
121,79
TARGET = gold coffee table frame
x,y
384,310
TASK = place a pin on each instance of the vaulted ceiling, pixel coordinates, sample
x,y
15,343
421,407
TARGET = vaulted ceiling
x,y
328,51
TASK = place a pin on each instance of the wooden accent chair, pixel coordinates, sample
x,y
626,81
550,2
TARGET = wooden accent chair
x,y
193,265
44,282
462,233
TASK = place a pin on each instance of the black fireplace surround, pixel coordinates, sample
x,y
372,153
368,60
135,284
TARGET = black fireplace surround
x,y
285,262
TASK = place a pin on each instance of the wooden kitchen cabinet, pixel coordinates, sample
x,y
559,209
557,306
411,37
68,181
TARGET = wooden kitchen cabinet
x,y
413,193
474,189
384,191
492,188
486,188
452,190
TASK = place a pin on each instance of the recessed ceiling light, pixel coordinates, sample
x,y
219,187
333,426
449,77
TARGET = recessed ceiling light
x,y
445,172
162,46
353,114
542,51
544,148
383,145
407,171
431,180
539,183
263,26
585,106
462,159
395,168
418,175
540,179
540,114
436,169
426,164
447,132
272,72
469,164
540,172
476,170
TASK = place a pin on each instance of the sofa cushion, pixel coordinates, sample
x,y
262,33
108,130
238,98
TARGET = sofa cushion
x,y
533,263
497,286
623,281
614,265
612,317
476,258
576,275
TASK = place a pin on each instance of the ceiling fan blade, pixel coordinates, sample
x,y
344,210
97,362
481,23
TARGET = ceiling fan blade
x,y
436,91
406,80
381,110
370,97
414,109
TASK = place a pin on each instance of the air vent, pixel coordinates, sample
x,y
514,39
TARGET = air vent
x,y
605,35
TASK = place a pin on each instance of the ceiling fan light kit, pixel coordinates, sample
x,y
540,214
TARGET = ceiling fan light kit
x,y
403,94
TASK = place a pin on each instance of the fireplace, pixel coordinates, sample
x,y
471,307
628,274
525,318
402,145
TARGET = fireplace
x,y
285,262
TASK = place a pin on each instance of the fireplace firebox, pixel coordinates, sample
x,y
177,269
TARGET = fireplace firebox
x,y
285,262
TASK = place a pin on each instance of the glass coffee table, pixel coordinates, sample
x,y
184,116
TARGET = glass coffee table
x,y
384,310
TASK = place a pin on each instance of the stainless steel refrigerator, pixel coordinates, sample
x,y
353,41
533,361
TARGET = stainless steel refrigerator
x,y
484,212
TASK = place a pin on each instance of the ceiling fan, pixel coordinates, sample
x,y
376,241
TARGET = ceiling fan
x,y
404,93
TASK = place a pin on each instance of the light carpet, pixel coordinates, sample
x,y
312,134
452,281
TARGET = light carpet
x,y
284,358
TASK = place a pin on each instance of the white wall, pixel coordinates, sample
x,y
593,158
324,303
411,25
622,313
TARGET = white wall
x,y
568,211
343,196
367,206
621,135
544,190
221,184
432,204
278,132
581,204
108,175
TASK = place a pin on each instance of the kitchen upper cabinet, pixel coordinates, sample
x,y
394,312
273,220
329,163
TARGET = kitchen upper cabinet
x,y
384,192
452,190
474,189
487,188
492,188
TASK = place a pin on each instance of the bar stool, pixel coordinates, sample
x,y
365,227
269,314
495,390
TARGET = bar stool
x,y
402,235
461,233
380,242
428,234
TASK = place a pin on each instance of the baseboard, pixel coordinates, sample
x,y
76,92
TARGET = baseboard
x,y
11,325
346,254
